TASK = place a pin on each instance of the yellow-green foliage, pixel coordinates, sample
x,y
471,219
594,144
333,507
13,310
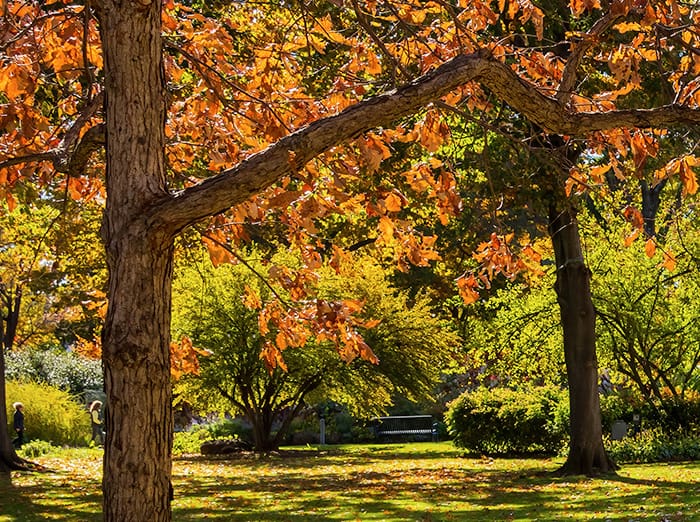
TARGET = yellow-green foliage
x,y
50,414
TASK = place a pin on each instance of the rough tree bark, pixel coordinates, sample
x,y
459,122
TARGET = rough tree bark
x,y
586,452
135,341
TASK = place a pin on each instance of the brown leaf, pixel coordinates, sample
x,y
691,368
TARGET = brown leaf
x,y
688,178
393,203
218,253
669,262
468,289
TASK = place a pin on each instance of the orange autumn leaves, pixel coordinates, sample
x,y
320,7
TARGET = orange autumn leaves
x,y
684,168
626,154
184,356
635,219
496,257
295,315
333,321
45,54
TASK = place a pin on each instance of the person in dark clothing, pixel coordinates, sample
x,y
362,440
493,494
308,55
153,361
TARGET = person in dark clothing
x,y
19,424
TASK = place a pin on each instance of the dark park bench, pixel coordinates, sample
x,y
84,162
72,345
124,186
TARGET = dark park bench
x,y
405,427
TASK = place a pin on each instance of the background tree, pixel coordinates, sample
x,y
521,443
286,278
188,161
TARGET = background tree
x,y
648,317
647,320
51,280
410,344
515,337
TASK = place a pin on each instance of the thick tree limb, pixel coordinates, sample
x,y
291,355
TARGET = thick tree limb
x,y
74,151
292,152
92,141
72,154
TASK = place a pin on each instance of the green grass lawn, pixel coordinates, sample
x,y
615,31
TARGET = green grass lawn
x,y
399,482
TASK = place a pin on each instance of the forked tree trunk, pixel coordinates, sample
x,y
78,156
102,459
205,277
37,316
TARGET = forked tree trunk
x,y
587,455
263,441
136,337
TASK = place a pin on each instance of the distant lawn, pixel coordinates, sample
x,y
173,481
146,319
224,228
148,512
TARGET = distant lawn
x,y
399,482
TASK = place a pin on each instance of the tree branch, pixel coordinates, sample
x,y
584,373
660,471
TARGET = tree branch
x,y
72,154
578,51
292,152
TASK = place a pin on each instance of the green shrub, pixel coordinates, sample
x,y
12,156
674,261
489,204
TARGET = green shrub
x,y
614,407
674,414
340,426
50,414
305,429
35,448
230,428
58,368
188,442
502,421
656,445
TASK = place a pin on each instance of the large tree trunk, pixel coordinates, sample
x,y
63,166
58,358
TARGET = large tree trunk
x,y
137,466
586,452
136,338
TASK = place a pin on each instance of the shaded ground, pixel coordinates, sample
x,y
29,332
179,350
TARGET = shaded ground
x,y
391,484
402,482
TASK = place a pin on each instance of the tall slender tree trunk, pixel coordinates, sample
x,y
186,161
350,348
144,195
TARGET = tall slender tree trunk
x,y
9,460
8,457
136,338
586,452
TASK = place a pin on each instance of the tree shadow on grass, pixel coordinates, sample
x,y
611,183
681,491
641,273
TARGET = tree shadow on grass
x,y
287,491
50,498
352,496
611,498
306,456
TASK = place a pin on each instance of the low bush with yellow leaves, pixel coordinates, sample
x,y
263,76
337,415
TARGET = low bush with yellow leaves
x,y
50,414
